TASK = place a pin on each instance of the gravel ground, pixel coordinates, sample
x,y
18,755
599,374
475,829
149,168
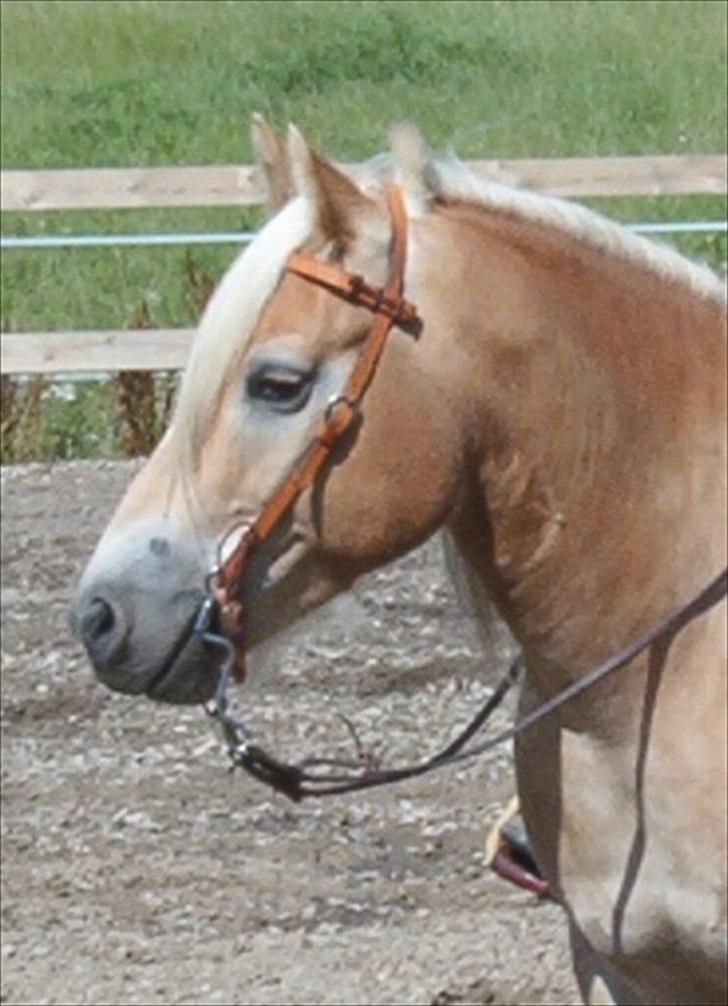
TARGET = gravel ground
x,y
136,869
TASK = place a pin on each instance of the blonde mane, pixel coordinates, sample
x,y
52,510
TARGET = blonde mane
x,y
449,180
455,182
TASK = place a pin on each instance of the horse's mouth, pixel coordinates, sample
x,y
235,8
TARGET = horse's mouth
x,y
191,671
189,675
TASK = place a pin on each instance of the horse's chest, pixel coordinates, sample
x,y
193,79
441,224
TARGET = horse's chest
x,y
621,855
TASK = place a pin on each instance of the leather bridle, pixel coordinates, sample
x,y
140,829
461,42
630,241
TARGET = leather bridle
x,y
220,620
389,309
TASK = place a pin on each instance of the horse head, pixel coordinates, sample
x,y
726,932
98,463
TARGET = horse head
x,y
272,351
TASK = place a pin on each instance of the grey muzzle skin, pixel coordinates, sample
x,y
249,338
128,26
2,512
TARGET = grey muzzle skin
x,y
135,612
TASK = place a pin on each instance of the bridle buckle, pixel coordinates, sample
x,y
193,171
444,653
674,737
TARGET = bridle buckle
x,y
337,400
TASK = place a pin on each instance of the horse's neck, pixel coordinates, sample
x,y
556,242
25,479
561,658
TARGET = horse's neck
x,y
598,401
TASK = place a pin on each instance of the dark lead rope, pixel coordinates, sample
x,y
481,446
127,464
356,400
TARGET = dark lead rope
x,y
297,781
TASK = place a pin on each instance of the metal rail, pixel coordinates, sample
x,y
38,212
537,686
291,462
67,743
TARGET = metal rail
x,y
244,237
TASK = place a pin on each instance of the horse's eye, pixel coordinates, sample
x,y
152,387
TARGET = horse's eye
x,y
282,389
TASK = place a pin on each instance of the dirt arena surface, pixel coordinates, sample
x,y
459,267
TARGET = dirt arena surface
x,y
136,869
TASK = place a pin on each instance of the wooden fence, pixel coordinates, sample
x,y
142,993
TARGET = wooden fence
x,y
76,352
126,188
135,188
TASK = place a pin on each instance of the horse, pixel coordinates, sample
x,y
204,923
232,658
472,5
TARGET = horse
x,y
559,410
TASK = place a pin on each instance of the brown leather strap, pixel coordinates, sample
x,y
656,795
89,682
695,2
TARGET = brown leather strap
x,y
389,309
351,287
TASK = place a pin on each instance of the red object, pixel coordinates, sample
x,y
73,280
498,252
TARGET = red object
x,y
509,869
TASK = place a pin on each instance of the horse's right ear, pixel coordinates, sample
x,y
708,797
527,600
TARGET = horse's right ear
x,y
414,166
343,211
272,156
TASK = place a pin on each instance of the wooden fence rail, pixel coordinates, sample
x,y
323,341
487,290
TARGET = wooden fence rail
x,y
231,185
167,349
59,352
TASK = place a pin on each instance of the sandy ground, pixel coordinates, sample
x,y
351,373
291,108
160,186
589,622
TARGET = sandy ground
x,y
136,869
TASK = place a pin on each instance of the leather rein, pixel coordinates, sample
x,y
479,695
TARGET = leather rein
x,y
220,619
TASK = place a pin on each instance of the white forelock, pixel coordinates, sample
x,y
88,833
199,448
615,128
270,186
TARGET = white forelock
x,y
232,313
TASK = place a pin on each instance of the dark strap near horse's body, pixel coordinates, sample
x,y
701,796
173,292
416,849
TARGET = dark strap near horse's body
x,y
302,780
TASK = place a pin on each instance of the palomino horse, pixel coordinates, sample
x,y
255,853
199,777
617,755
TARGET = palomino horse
x,y
560,410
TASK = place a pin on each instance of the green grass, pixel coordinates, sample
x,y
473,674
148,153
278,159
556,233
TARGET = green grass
x,y
155,83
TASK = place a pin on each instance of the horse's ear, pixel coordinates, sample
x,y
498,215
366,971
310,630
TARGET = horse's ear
x,y
341,208
272,156
414,166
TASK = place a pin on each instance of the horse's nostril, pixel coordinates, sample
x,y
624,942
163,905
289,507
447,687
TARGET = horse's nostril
x,y
103,628
97,620
159,547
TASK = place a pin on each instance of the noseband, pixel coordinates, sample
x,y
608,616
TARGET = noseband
x,y
220,620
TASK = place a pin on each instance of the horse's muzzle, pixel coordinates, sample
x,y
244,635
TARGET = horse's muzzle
x,y
135,613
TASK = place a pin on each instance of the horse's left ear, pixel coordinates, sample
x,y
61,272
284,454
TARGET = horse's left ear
x,y
342,210
272,156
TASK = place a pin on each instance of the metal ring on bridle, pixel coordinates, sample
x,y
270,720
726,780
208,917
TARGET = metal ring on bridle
x,y
242,525
338,400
